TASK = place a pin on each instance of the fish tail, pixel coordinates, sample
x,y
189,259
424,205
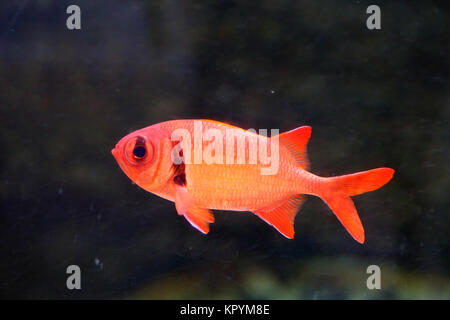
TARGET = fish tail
x,y
339,189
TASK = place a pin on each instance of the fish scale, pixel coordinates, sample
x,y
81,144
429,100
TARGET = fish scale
x,y
236,187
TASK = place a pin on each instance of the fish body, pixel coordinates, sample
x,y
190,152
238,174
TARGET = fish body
x,y
204,164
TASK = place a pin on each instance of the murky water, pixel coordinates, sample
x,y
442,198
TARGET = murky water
x,y
373,98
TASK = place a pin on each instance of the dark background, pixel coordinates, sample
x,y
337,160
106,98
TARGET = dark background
x,y
373,98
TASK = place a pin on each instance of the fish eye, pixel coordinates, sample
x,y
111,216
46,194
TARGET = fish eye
x,y
139,152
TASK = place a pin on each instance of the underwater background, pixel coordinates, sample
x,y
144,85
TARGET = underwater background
x,y
373,98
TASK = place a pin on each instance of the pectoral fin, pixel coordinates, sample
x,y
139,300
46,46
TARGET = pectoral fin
x,y
199,218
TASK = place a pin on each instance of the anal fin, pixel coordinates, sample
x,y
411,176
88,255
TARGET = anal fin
x,y
199,218
282,217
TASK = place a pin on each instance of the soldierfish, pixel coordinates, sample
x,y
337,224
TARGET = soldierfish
x,y
147,158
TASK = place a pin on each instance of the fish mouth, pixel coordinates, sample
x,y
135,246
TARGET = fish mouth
x,y
114,152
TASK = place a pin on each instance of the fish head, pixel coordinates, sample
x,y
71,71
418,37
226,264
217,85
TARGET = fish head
x,y
145,157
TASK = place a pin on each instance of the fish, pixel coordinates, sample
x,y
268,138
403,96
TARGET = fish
x,y
203,165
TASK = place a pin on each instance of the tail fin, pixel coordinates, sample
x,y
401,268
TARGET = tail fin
x,y
337,197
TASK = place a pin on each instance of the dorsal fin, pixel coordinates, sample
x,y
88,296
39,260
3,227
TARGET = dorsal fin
x,y
295,141
282,217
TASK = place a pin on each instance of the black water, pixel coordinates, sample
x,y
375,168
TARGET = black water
x,y
373,98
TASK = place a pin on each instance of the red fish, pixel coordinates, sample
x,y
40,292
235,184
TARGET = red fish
x,y
195,164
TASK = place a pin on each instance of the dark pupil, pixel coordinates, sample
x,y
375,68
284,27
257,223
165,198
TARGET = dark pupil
x,y
139,152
